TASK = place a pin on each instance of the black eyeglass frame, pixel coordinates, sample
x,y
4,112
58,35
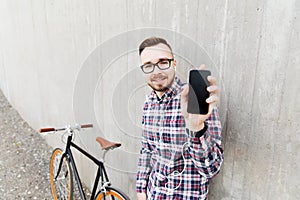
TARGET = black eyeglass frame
x,y
156,64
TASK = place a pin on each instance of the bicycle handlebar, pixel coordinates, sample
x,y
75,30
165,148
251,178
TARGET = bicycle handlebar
x,y
43,130
86,126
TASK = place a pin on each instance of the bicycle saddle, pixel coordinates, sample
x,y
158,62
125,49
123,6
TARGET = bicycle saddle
x,y
106,145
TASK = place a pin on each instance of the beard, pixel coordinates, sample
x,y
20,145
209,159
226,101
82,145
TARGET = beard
x,y
161,87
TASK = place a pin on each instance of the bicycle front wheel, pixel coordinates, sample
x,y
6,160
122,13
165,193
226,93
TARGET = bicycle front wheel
x,y
62,185
112,194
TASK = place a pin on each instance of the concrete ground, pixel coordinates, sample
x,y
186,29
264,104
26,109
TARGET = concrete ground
x,y
24,158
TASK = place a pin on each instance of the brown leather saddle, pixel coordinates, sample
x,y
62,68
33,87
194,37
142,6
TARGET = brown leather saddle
x,y
107,145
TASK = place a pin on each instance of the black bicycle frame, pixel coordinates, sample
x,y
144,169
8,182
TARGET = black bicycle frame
x,y
100,172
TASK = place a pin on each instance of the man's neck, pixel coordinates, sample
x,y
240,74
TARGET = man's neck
x,y
159,94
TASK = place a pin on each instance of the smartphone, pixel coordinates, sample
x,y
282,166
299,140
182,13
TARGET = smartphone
x,y
198,93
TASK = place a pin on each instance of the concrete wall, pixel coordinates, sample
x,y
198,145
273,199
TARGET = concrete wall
x,y
63,62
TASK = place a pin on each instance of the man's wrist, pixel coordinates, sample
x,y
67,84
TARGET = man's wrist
x,y
197,127
197,133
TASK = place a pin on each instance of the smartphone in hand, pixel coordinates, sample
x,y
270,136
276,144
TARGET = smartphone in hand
x,y
198,93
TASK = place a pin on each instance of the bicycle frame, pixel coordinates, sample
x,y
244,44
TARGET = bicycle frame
x,y
101,172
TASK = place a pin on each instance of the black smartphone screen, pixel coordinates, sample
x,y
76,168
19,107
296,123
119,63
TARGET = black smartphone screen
x,y
198,93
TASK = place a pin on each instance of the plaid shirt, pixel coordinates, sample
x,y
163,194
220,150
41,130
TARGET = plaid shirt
x,y
173,164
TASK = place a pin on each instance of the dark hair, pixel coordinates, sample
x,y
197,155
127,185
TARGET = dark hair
x,y
152,41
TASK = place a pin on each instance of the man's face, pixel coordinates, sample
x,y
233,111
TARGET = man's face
x,y
159,80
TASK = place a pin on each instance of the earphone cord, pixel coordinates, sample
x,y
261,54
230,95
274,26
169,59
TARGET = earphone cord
x,y
176,173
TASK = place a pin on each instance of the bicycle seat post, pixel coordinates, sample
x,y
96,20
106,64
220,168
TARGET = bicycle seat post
x,y
103,155
106,146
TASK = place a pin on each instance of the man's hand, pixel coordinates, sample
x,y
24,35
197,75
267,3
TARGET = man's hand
x,y
141,196
195,122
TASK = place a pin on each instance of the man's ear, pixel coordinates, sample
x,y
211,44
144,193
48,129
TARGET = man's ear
x,y
174,64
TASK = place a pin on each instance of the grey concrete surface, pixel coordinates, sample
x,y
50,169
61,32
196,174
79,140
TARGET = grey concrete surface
x,y
48,47
24,159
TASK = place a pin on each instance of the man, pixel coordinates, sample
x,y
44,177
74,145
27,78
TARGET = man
x,y
180,152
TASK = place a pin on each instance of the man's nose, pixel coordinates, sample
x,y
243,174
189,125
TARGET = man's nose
x,y
156,70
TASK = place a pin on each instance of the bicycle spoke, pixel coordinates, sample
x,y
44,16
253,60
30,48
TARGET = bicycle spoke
x,y
61,186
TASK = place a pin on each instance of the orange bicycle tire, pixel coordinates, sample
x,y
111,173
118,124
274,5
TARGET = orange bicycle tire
x,y
65,173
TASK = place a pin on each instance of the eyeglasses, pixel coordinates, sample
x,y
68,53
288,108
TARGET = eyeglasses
x,y
162,64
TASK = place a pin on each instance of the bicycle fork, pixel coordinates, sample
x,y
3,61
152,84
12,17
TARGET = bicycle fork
x,y
59,168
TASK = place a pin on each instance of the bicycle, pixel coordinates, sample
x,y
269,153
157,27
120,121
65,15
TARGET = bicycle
x,y
63,168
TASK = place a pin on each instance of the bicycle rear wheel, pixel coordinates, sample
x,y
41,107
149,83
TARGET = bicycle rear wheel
x,y
112,194
62,186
